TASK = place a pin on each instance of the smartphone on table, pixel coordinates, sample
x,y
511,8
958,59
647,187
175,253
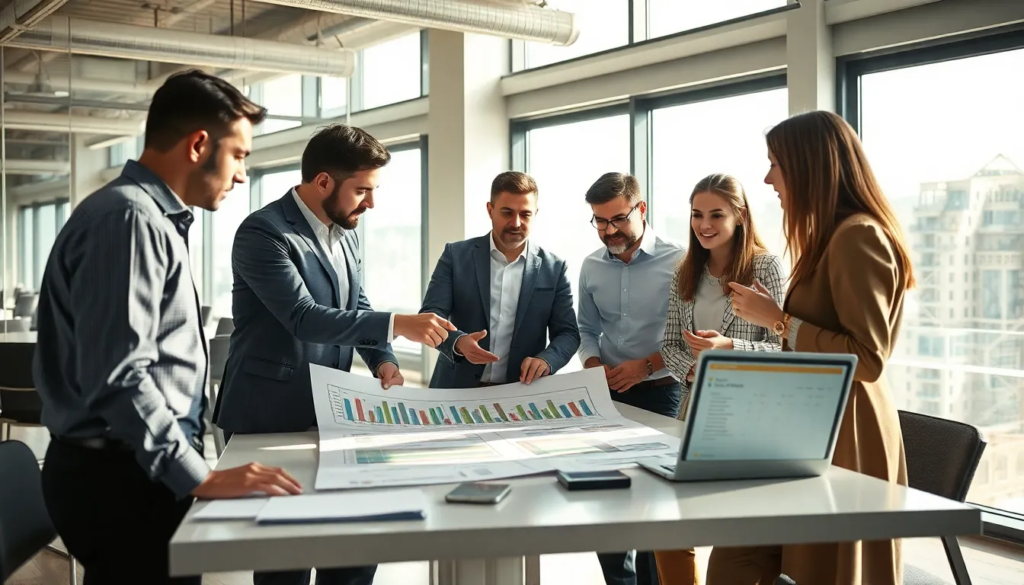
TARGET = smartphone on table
x,y
478,493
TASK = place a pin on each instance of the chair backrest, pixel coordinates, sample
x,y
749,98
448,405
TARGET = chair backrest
x,y
25,526
25,304
206,313
942,455
225,326
19,401
218,357
15,325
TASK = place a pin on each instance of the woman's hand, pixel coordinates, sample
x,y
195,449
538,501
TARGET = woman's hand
x,y
702,340
755,305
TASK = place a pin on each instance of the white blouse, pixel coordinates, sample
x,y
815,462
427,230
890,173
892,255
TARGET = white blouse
x,y
709,304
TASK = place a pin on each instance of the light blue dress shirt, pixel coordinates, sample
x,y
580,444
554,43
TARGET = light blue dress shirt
x,y
623,307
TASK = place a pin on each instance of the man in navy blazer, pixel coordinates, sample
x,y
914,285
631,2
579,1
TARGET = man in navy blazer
x,y
298,300
506,295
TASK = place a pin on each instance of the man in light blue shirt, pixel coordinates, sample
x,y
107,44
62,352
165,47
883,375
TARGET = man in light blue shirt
x,y
624,291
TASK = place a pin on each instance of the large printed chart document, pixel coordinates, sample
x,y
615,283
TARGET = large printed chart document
x,y
371,437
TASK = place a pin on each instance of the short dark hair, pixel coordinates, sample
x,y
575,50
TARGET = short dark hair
x,y
191,101
513,182
342,151
613,185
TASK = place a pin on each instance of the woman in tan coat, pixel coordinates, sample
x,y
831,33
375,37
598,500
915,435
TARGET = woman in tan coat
x,y
846,296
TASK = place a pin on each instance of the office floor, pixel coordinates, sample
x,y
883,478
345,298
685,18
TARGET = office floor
x,y
989,562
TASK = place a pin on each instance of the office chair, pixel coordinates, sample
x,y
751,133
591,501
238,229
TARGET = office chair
x,y
218,359
25,304
942,456
225,326
25,527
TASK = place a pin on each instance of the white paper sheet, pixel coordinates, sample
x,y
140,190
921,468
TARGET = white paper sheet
x,y
364,506
238,509
370,437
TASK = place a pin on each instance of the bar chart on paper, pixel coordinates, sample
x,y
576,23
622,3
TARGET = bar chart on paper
x,y
353,407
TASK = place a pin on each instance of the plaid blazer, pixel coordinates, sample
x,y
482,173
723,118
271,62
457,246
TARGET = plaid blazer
x,y
745,336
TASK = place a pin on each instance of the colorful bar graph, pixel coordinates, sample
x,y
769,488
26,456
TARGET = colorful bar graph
x,y
394,415
412,415
380,414
514,417
501,412
387,412
586,409
405,413
359,409
348,409
466,418
487,415
545,412
455,415
535,411
575,410
423,417
372,418
477,417
440,415
551,407
522,413
565,410
433,416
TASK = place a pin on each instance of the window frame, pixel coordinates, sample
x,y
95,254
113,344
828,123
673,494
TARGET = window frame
x,y
59,220
997,523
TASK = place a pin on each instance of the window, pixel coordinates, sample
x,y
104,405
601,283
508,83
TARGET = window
x,y
273,186
603,25
726,135
38,226
671,16
391,71
122,152
977,150
233,210
333,96
391,239
281,97
565,160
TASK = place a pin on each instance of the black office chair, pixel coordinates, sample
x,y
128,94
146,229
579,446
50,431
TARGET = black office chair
x,y
942,456
19,403
25,527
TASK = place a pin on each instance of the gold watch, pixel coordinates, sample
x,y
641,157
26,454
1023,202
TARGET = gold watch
x,y
781,327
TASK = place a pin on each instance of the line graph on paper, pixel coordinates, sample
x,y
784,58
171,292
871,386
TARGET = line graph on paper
x,y
353,407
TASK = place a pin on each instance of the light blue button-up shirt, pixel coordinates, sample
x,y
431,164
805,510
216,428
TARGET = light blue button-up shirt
x,y
623,307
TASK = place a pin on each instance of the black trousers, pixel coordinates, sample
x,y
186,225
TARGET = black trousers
x,y
622,568
111,517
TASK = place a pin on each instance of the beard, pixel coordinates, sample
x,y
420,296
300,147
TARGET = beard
x,y
618,242
205,182
512,238
349,220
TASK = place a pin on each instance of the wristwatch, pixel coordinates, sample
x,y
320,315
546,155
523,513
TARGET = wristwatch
x,y
780,327
650,367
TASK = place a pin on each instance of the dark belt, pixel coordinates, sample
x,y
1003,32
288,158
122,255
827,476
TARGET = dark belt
x,y
108,443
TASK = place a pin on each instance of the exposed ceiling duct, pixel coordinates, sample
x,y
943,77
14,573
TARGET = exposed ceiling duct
x,y
60,83
47,122
89,37
518,21
36,167
19,15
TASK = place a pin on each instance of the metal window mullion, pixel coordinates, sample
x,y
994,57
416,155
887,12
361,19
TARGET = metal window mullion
x,y
424,62
640,152
639,24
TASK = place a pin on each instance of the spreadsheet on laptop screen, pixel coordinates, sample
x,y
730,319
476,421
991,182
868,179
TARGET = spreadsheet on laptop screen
x,y
765,411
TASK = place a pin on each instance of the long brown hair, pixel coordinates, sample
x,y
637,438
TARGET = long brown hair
x,y
746,244
828,179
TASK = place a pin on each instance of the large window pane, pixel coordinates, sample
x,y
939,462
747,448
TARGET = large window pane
x,y
26,243
391,71
273,186
671,16
333,96
603,25
949,156
281,97
725,135
46,233
233,210
391,240
565,161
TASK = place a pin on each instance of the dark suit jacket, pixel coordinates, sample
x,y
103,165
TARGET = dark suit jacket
x,y
460,291
288,315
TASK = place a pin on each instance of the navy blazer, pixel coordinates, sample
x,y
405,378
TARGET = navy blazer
x,y
463,296
287,316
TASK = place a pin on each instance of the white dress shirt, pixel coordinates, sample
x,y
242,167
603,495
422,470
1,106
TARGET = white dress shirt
x,y
330,238
506,284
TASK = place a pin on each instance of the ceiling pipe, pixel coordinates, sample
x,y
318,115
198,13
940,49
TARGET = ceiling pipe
x,y
81,84
20,15
36,167
88,37
47,122
520,21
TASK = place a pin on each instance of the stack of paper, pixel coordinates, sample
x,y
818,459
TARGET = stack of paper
x,y
366,506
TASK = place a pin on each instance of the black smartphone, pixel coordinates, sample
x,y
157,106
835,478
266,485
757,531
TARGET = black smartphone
x,y
594,480
478,493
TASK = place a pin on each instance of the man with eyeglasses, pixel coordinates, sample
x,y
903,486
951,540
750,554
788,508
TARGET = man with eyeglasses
x,y
623,306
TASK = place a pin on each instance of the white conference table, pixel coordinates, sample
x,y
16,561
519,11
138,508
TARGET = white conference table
x,y
488,544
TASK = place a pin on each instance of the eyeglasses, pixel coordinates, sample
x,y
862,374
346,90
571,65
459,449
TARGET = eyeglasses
x,y
602,223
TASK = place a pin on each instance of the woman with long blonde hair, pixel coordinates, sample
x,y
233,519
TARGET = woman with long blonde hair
x,y
851,272
724,248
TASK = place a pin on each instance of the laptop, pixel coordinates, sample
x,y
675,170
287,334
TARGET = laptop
x,y
756,415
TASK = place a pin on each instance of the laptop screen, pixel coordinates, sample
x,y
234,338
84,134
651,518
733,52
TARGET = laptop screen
x,y
770,409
